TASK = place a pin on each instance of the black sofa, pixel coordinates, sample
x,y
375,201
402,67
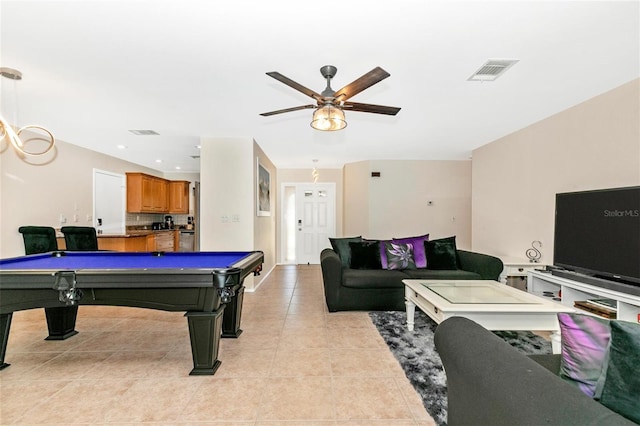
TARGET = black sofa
x,y
349,289
491,383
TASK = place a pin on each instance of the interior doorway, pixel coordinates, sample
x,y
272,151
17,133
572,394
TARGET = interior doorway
x,y
109,197
308,218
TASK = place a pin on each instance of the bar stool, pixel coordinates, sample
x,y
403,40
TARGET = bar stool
x,y
38,239
80,238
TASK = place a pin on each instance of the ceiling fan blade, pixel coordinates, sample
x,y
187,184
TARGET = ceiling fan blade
x,y
299,87
369,79
377,109
280,111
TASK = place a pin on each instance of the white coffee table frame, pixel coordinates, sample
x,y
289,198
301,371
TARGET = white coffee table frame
x,y
516,310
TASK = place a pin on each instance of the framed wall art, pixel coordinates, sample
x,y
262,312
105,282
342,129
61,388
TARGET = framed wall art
x,y
263,191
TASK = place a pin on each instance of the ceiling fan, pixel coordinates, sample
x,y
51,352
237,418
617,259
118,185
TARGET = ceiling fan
x,y
330,104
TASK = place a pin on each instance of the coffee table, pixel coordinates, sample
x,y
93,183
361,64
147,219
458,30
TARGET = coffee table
x,y
493,305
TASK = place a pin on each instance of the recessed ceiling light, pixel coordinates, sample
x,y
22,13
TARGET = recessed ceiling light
x,y
122,147
198,146
178,167
158,161
144,132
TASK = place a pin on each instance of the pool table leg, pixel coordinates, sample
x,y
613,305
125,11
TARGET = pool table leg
x,y
205,329
61,322
233,314
5,326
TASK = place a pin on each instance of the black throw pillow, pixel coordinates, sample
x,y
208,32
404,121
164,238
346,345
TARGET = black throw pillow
x,y
441,254
341,246
365,255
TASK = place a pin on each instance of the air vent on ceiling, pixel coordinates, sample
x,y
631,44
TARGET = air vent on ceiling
x,y
144,132
492,69
195,157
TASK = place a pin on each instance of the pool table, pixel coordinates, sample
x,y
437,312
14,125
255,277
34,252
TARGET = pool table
x,y
208,286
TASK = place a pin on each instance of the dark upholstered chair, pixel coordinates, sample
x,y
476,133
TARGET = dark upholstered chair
x,y
80,238
38,239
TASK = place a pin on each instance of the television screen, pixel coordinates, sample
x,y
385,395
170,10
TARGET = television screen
x,y
598,233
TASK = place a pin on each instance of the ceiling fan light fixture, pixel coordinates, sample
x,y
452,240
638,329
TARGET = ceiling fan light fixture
x,y
328,118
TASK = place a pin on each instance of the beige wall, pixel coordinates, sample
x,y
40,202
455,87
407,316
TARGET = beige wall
x,y
226,190
593,145
396,203
228,174
37,192
355,216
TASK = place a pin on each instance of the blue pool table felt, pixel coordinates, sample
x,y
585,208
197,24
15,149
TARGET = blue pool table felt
x,y
124,260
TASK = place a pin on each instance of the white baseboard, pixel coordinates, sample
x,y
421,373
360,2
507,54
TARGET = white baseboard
x,y
263,276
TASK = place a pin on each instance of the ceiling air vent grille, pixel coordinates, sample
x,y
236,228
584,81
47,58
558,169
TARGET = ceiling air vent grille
x,y
492,69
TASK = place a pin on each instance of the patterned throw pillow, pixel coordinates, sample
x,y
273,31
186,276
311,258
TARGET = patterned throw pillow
x,y
584,348
419,255
399,256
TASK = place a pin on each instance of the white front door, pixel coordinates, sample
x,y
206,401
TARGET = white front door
x,y
315,220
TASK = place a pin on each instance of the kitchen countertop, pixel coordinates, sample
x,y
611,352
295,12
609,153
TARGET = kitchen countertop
x,y
130,233
136,233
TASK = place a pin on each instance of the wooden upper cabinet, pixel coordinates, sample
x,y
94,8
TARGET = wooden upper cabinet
x,y
147,194
179,196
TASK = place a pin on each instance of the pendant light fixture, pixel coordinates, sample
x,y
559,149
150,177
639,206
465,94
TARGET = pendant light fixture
x,y
315,174
12,136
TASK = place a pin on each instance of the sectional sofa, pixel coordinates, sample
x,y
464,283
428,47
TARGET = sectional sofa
x,y
491,383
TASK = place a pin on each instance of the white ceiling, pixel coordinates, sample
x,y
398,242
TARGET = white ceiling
x,y
187,69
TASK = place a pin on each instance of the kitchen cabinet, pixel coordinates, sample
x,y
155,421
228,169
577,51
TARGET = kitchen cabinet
x,y
179,196
116,243
147,194
138,243
161,241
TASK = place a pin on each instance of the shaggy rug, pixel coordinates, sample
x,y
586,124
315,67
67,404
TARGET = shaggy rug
x,y
416,353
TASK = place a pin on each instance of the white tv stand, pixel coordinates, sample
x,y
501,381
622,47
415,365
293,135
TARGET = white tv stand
x,y
572,291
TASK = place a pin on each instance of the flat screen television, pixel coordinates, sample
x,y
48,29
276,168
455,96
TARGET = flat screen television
x,y
597,233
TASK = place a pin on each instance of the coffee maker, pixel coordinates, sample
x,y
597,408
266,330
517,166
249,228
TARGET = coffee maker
x,y
168,222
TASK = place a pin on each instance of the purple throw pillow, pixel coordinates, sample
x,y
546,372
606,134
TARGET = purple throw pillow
x,y
419,255
585,339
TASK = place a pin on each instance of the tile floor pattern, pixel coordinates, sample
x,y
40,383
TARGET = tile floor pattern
x,y
294,364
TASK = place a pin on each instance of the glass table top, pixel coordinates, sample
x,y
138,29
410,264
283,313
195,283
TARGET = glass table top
x,y
476,294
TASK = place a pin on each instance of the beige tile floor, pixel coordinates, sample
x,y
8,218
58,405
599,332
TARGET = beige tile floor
x,y
294,364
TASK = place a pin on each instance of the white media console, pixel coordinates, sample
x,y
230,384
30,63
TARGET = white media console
x,y
572,291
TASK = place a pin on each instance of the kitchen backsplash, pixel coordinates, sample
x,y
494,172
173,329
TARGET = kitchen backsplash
x,y
143,219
